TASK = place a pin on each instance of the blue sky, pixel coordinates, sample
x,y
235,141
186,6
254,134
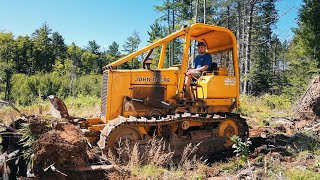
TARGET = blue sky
x,y
103,20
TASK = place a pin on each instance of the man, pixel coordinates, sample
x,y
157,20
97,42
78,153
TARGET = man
x,y
201,63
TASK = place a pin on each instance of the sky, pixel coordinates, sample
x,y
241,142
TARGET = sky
x,y
105,21
288,16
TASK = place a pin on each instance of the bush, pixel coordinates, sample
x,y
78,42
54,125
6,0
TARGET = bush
x,y
89,85
302,174
264,107
276,101
27,90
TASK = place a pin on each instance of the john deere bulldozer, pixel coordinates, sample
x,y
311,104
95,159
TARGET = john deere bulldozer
x,y
138,104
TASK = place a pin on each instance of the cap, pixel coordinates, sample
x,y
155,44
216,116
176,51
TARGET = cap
x,y
201,44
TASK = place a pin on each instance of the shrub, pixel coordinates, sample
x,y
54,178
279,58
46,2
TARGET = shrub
x,y
302,174
276,101
27,90
264,107
242,148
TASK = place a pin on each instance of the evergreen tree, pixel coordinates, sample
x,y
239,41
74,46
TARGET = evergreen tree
x,y
130,46
93,47
58,45
309,29
261,73
43,50
156,32
113,53
6,63
74,53
303,62
24,58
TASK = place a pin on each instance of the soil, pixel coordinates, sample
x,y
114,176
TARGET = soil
x,y
39,124
62,147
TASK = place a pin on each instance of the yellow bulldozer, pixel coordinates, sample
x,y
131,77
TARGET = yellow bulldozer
x,y
138,104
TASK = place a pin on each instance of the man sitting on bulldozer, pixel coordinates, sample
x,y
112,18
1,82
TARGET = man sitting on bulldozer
x,y
201,63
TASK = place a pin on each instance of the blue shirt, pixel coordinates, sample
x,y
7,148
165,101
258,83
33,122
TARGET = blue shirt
x,y
202,60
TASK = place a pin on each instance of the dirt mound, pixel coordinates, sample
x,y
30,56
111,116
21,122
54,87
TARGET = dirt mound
x,y
308,109
309,104
39,124
62,147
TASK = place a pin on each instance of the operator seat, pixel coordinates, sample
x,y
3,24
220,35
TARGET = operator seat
x,y
194,84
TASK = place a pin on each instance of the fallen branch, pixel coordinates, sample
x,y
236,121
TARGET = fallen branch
x,y
313,128
14,107
95,168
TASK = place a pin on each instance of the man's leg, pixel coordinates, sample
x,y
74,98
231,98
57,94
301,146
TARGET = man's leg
x,y
187,85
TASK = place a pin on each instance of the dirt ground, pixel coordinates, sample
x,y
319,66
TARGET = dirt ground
x,y
285,144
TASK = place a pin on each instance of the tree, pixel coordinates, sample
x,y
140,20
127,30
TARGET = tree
x,y
303,52
93,47
114,49
43,51
130,46
89,62
156,32
279,65
74,53
24,57
113,53
58,45
309,28
261,73
6,63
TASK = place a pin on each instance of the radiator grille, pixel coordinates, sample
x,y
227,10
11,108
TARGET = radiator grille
x,y
104,94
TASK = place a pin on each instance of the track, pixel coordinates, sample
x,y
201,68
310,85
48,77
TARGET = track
x,y
213,135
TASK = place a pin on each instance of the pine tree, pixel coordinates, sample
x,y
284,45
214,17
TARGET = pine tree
x,y
59,46
261,73
6,64
93,47
130,46
24,58
309,28
43,51
303,53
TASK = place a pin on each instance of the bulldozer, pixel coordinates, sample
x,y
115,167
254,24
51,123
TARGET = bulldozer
x,y
138,104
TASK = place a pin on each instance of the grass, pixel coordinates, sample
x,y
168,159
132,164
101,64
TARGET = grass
x,y
232,166
81,106
264,108
156,161
297,174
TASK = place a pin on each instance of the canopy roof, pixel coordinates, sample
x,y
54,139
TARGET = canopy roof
x,y
217,38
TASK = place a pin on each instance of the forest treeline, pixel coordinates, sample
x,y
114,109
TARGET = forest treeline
x,y
41,64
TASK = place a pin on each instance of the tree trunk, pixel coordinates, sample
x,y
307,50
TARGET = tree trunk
x,y
247,60
173,24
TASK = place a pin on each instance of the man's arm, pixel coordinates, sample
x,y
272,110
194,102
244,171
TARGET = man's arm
x,y
203,68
